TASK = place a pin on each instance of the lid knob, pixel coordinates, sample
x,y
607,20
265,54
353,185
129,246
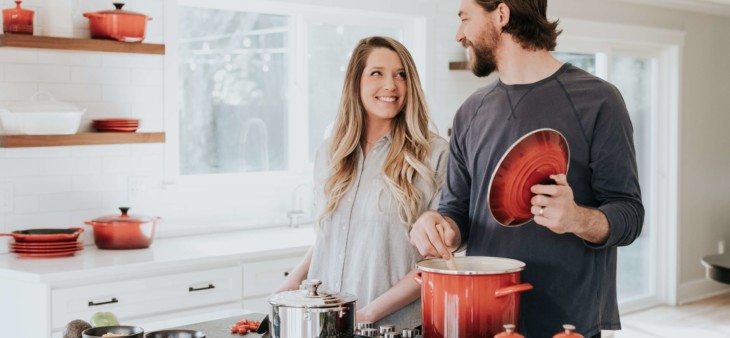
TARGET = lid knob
x,y
509,328
311,286
119,5
124,210
568,328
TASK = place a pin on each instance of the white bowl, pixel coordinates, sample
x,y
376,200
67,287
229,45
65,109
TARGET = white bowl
x,y
40,123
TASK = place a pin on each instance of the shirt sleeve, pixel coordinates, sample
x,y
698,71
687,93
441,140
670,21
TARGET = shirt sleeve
x,y
439,165
456,194
615,177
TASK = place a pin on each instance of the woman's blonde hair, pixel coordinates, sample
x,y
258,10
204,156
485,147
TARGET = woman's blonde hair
x,y
410,136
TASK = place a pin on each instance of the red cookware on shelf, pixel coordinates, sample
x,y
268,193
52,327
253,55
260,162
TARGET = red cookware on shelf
x,y
118,24
18,20
123,231
474,300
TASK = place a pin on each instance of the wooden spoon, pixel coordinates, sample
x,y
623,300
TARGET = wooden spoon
x,y
450,263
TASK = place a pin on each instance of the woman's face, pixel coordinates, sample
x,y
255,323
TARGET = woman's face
x,y
383,85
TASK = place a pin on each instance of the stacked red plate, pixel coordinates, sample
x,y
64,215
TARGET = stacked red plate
x,y
116,125
45,242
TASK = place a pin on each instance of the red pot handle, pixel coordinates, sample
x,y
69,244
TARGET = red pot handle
x,y
417,278
512,289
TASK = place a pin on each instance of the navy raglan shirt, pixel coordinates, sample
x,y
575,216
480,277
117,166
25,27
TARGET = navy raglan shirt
x,y
574,281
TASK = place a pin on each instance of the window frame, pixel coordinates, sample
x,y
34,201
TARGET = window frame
x,y
665,48
300,170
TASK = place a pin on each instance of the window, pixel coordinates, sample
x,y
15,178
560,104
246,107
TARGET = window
x,y
262,84
644,68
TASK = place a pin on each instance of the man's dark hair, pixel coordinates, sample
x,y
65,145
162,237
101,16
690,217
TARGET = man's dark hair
x,y
528,22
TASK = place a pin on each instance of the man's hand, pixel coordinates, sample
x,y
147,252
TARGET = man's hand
x,y
554,207
427,239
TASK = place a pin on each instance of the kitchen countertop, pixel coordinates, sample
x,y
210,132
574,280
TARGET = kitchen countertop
x,y
221,328
174,252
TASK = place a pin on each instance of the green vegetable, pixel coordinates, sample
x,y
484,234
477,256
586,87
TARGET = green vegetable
x,y
104,319
74,328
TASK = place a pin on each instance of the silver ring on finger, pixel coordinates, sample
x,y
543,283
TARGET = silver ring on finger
x,y
542,211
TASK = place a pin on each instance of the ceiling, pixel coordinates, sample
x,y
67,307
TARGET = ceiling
x,y
717,7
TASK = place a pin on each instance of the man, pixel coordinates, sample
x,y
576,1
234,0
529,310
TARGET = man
x,y
570,246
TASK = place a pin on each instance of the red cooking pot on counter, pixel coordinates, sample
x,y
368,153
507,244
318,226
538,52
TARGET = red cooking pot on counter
x,y
123,231
118,24
473,301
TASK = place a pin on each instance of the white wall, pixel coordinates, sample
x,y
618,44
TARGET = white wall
x,y
59,187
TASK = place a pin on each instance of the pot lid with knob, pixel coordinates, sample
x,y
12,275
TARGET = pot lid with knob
x,y
310,296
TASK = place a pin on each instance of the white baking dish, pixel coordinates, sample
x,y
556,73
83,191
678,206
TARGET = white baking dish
x,y
40,117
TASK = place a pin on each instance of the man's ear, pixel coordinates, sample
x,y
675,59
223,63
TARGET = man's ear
x,y
504,13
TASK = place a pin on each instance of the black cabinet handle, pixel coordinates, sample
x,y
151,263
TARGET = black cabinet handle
x,y
114,300
210,286
286,273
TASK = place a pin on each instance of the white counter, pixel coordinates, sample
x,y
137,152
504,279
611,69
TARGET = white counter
x,y
173,282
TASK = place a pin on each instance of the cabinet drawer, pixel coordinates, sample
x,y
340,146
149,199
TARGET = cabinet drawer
x,y
144,296
262,278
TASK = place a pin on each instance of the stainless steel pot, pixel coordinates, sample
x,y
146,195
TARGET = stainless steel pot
x,y
310,313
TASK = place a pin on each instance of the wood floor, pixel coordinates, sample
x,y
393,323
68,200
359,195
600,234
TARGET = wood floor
x,y
709,318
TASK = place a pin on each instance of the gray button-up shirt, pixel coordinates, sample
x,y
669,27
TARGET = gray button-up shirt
x,y
363,247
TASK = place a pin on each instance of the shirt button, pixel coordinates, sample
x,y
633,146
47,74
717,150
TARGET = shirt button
x,y
344,227
341,256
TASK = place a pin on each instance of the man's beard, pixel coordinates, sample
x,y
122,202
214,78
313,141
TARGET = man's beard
x,y
484,61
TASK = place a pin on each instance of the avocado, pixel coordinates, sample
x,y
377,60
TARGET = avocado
x,y
74,328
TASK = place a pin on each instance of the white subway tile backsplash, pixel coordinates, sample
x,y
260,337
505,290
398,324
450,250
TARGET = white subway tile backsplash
x,y
42,185
37,73
26,205
56,220
99,183
73,92
18,55
17,91
132,60
101,75
87,59
147,77
13,167
154,149
115,199
98,151
147,164
70,201
42,152
70,166
131,94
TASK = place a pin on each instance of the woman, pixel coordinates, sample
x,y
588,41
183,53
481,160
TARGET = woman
x,y
381,168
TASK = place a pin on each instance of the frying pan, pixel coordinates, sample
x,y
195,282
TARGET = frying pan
x,y
45,235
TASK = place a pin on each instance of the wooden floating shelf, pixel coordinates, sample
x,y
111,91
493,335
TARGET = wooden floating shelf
x,y
25,141
94,45
458,65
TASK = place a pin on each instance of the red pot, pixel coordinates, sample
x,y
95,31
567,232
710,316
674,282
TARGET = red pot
x,y
18,20
118,24
473,301
123,231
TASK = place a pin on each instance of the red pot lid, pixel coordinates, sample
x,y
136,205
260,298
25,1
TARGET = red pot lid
x,y
120,11
529,161
568,333
124,217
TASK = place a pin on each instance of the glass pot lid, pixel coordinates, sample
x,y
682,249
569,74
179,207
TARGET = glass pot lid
x,y
310,297
124,217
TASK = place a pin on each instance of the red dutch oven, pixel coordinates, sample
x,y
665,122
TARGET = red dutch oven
x,y
472,301
118,24
123,231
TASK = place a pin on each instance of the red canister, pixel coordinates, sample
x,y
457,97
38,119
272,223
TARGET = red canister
x,y
18,20
472,301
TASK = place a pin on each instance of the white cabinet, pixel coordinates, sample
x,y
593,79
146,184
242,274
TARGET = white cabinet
x,y
145,297
261,278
